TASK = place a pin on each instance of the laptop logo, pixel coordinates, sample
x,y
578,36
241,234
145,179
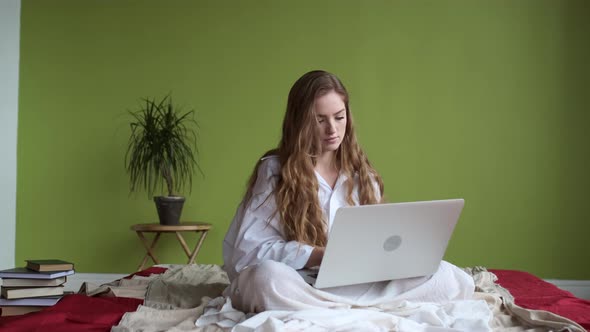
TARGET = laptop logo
x,y
393,242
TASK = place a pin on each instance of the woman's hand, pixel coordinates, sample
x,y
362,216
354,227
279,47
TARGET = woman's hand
x,y
315,259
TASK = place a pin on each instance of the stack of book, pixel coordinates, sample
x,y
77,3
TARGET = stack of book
x,y
38,285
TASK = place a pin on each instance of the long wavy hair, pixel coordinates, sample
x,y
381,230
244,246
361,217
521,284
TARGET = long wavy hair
x,y
296,192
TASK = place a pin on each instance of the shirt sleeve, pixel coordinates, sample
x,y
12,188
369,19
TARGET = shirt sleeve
x,y
256,234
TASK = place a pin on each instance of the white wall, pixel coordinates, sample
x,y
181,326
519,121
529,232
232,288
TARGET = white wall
x,y
9,59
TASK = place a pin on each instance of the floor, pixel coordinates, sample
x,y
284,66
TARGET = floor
x,y
75,281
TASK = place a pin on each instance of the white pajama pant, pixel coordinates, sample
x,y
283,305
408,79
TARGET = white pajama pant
x,y
275,286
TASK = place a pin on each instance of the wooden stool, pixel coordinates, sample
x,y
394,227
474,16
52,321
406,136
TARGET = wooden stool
x,y
199,227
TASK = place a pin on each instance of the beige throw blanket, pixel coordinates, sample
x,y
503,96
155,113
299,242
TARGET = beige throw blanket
x,y
188,298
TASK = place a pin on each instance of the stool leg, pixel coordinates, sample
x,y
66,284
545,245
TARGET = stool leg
x,y
191,259
183,244
149,249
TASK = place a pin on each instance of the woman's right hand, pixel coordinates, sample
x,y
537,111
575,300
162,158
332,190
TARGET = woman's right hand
x,y
315,259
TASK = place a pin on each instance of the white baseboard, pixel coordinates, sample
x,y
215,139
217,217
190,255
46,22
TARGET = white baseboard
x,y
76,280
580,288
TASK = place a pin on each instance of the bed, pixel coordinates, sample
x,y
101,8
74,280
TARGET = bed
x,y
174,297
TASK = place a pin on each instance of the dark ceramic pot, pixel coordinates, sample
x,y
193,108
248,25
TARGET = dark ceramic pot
x,y
169,209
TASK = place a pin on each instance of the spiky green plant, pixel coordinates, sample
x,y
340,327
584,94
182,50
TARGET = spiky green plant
x,y
162,147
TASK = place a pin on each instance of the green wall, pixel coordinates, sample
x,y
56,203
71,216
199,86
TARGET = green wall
x,y
485,100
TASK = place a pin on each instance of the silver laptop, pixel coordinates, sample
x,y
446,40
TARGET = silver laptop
x,y
380,242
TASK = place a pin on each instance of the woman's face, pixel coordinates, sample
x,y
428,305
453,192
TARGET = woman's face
x,y
330,112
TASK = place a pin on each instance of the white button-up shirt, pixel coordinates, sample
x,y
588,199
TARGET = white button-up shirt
x,y
256,233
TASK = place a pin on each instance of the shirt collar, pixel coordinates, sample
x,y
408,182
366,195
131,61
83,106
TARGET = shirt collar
x,y
341,179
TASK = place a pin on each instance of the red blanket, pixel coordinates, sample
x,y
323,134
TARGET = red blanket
x,y
73,313
533,293
76,313
82,313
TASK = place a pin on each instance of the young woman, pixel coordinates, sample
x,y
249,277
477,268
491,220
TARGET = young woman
x,y
283,222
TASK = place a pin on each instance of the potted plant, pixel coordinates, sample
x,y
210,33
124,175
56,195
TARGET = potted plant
x,y
162,150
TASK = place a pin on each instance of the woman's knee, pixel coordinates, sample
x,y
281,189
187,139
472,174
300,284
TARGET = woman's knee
x,y
256,284
267,273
